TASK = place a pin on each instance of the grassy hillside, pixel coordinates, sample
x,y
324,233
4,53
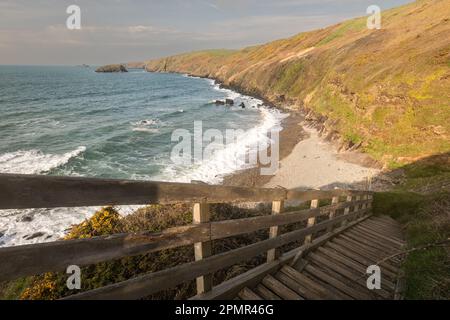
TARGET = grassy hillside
x,y
388,89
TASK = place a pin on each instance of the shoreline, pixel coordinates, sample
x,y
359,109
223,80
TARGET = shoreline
x,y
334,164
352,169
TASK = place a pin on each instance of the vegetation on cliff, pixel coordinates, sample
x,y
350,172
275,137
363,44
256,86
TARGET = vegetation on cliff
x,y
153,218
386,90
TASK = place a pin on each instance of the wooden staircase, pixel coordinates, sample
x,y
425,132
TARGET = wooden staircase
x,y
337,269
334,240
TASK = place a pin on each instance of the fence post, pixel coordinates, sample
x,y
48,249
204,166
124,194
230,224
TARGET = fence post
x,y
347,210
334,200
357,207
277,208
369,203
202,250
365,205
311,221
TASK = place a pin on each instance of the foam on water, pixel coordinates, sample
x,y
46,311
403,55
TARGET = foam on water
x,y
35,161
230,159
18,227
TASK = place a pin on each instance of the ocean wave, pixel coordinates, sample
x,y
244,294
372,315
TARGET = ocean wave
x,y
147,125
147,122
35,161
232,157
149,130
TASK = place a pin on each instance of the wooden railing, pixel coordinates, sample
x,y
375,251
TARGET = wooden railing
x,y
25,191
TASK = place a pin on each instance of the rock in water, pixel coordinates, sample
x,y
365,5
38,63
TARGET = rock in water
x,y
112,68
220,102
229,102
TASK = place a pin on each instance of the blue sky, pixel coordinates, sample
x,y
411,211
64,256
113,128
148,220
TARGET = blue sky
x,y
34,32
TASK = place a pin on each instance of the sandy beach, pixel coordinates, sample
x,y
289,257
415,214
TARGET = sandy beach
x,y
308,161
315,164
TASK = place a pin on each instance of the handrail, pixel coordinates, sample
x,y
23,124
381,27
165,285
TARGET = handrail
x,y
57,255
147,284
32,191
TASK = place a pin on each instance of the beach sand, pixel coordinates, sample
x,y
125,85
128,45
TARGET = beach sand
x,y
309,162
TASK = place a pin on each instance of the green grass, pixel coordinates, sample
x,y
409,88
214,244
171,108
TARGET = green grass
x,y
288,76
425,221
346,27
12,290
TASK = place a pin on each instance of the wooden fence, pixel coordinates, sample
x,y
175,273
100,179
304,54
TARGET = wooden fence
x,y
28,191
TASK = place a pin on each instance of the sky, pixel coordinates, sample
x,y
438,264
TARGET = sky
x,y
34,32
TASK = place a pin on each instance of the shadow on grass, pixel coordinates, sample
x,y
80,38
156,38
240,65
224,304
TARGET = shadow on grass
x,y
420,201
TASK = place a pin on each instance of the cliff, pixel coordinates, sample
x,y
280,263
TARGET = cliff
x,y
384,91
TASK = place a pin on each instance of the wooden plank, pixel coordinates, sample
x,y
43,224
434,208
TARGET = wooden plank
x,y
280,289
325,238
345,273
340,295
379,230
310,285
358,268
265,293
202,250
230,288
35,259
144,285
229,228
383,221
35,191
374,251
312,220
297,287
319,194
363,249
362,259
374,243
56,256
333,279
248,294
393,241
348,268
379,241
367,256
277,208
385,233
376,224
32,191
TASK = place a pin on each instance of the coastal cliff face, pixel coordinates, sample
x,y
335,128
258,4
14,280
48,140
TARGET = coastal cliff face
x,y
384,91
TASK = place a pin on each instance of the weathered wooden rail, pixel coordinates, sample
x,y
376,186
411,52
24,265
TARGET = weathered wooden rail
x,y
27,191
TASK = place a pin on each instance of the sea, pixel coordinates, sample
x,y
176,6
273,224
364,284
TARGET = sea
x,y
72,121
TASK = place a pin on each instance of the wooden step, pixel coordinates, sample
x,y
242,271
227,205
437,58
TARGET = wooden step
x,y
362,259
265,293
347,275
309,284
394,241
297,287
248,294
339,285
280,289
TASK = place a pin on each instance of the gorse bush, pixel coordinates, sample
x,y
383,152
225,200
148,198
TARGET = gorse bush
x,y
153,218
